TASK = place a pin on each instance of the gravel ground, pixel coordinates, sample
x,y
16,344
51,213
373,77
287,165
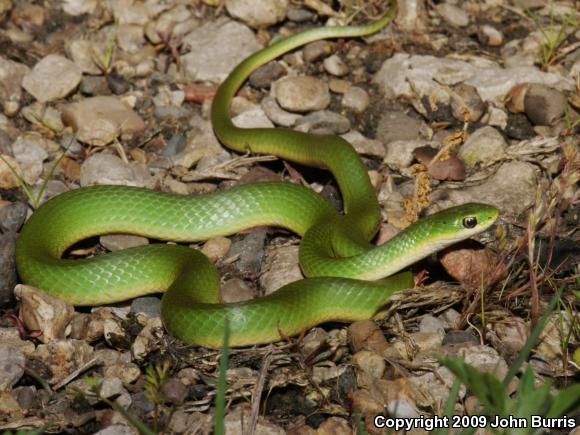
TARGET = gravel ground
x,y
453,102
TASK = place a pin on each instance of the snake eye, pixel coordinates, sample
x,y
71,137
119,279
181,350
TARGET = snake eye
x,y
470,222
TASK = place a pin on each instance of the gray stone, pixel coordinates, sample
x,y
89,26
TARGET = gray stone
x,y
11,75
148,305
52,78
100,120
258,13
485,146
335,65
12,216
323,122
512,189
8,277
356,98
452,14
216,48
409,75
12,363
110,169
397,126
301,94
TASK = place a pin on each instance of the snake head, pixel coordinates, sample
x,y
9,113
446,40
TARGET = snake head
x,y
463,221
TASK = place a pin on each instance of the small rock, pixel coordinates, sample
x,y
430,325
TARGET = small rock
x,y
334,426
12,362
237,419
63,357
9,407
397,126
216,248
8,277
117,242
461,339
11,337
12,74
128,372
236,290
370,362
485,146
313,341
82,52
148,305
143,343
177,21
316,51
266,74
489,35
258,13
52,78
323,122
95,85
512,334
335,65
401,153
44,313
252,118
100,120
356,99
278,115
280,268
402,409
44,117
450,318
433,387
468,264
364,145
544,105
412,16
25,396
29,150
466,104
432,324
116,429
511,189
201,144
557,329
251,251
448,168
299,15
452,14
111,387
110,169
366,335
174,390
409,75
216,48
301,94
7,179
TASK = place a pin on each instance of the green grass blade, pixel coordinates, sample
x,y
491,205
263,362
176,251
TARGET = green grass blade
x,y
531,340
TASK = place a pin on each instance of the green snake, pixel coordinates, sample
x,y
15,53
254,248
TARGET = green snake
x,y
346,274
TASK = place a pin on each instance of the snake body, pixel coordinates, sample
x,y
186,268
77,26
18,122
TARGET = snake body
x,y
335,252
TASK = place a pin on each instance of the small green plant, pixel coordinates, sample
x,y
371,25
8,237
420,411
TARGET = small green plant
x,y
553,34
528,400
105,62
34,198
155,377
